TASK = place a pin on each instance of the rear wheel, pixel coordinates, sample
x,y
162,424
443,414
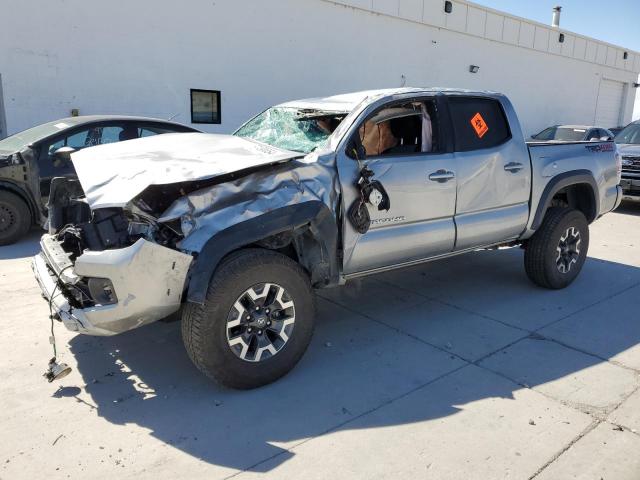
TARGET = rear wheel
x,y
554,256
15,218
256,322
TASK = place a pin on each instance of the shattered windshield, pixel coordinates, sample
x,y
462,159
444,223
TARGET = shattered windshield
x,y
300,130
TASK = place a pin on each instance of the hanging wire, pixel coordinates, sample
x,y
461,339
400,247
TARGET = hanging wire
x,y
53,294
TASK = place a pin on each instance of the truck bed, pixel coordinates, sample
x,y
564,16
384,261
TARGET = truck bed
x,y
549,161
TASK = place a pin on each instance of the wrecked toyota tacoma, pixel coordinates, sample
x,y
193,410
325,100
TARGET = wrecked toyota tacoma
x,y
235,231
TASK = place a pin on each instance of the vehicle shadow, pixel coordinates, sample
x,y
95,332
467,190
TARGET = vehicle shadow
x,y
356,362
629,208
25,247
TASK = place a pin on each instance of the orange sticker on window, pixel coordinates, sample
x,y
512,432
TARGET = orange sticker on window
x,y
479,125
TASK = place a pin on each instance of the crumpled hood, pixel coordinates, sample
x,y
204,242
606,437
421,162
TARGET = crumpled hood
x,y
629,149
112,175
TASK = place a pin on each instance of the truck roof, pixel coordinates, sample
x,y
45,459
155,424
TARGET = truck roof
x,y
348,101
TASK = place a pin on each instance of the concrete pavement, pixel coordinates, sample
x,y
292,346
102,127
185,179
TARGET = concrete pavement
x,y
457,369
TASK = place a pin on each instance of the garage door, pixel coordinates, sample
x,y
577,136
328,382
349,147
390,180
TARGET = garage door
x,y
610,101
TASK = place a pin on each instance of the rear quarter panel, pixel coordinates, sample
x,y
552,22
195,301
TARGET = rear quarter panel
x,y
548,161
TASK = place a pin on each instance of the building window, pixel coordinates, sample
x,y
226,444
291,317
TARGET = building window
x,y
205,106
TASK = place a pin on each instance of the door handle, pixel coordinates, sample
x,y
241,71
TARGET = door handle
x,y
442,176
513,167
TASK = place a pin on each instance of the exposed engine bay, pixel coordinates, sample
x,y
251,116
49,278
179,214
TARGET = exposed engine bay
x,y
77,228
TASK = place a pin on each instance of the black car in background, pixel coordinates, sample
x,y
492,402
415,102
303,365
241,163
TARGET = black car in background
x,y
29,160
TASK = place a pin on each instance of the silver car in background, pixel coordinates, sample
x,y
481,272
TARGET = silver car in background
x,y
573,133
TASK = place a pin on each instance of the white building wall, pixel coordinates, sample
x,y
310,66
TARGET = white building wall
x,y
143,57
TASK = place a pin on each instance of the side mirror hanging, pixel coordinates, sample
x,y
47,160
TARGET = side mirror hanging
x,y
371,192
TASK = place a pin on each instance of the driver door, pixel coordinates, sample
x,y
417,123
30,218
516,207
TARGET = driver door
x,y
420,180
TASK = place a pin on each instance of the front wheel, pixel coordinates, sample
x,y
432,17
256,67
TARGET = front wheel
x,y
15,218
555,254
256,322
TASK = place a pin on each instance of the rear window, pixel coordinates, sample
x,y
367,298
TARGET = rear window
x,y
478,123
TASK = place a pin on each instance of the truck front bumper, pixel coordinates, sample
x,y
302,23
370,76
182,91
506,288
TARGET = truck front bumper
x,y
630,188
148,281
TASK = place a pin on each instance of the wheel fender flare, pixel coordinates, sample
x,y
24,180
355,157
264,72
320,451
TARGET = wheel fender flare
x,y
313,213
559,182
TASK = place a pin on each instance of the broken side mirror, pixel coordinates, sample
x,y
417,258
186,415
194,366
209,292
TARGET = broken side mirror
x,y
62,156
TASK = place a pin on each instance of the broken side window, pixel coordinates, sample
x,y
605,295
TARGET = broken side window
x,y
401,129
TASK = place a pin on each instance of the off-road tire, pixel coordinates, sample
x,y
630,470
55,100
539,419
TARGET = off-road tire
x,y
541,252
15,218
204,327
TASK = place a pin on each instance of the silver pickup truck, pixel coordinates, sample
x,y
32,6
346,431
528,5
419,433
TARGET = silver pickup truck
x,y
628,141
235,231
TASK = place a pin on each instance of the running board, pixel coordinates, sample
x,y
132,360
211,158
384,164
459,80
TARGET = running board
x,y
412,263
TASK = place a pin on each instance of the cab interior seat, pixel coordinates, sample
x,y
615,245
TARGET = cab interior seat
x,y
408,131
